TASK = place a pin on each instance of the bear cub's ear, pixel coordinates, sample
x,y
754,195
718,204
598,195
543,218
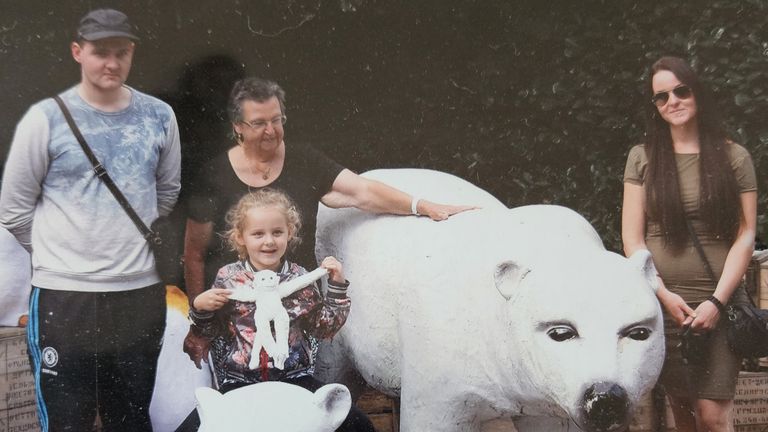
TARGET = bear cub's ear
x,y
335,401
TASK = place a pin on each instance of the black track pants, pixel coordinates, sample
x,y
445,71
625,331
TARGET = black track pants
x,y
94,351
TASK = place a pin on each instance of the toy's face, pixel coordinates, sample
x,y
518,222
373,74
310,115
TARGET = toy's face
x,y
265,281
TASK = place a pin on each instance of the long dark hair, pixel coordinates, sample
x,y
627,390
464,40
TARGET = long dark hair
x,y
720,207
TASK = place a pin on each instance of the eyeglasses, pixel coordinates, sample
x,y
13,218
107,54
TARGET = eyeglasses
x,y
681,92
259,125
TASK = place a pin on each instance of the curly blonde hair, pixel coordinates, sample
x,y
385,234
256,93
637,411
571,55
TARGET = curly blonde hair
x,y
262,198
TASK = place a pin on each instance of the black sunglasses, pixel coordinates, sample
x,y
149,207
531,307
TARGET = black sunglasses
x,y
681,92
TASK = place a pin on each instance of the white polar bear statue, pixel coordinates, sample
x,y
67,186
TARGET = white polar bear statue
x,y
494,313
273,407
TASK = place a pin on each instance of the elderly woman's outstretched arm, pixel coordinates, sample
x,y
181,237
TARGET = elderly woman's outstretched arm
x,y
352,190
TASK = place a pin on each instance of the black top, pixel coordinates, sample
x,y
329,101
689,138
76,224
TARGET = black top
x,y
306,177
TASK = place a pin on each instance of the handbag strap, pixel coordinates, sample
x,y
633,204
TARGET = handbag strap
x,y
102,173
700,250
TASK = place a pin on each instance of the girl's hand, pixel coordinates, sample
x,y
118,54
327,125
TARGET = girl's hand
x,y
676,306
212,300
335,271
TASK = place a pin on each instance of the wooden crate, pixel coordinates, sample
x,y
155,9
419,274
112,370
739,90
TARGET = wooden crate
x,y
751,401
17,405
381,409
757,275
750,407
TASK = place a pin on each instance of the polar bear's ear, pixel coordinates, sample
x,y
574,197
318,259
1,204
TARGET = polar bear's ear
x,y
335,401
507,276
643,260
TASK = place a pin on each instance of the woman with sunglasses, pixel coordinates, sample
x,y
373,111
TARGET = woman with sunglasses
x,y
689,174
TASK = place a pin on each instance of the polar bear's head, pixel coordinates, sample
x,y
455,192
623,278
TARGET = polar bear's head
x,y
587,331
273,407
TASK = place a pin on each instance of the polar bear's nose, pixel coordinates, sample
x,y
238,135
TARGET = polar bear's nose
x,y
606,407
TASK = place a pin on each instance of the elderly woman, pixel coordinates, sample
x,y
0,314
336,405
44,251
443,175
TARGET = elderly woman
x,y
688,174
261,158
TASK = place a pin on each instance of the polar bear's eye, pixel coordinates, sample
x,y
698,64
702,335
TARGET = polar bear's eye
x,y
560,334
639,333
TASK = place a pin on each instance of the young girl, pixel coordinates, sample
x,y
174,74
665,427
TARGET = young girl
x,y
263,226
688,172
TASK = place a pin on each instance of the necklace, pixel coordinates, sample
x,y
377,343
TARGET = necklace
x,y
264,173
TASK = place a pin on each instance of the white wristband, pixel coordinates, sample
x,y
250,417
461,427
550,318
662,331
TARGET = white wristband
x,y
414,204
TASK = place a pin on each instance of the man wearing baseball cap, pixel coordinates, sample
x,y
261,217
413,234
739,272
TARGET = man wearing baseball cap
x,y
97,310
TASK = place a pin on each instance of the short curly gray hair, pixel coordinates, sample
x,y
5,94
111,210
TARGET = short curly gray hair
x,y
255,89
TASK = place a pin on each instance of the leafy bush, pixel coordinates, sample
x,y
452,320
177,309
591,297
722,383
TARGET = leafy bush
x,y
539,102
535,101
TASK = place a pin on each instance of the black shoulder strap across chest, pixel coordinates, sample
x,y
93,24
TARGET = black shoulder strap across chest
x,y
102,173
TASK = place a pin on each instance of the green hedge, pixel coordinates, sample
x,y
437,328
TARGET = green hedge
x,y
536,101
539,102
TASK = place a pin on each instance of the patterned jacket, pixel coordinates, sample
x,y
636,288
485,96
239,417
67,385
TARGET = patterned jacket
x,y
232,328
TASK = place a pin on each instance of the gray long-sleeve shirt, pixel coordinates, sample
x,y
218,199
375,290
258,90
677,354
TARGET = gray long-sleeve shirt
x,y
53,203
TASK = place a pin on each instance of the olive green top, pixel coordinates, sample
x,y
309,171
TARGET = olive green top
x,y
685,273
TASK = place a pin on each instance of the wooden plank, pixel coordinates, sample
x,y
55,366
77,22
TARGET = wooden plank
x,y
382,422
373,402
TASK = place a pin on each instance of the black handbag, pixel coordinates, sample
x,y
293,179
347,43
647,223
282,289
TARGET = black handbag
x,y
163,236
747,331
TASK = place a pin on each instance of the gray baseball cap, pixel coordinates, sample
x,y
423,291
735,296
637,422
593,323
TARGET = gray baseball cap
x,y
105,23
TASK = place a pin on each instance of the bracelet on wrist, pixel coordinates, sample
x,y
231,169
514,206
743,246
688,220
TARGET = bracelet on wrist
x,y
414,205
720,306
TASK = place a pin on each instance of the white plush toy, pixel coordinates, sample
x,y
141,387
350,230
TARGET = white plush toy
x,y
267,292
273,406
494,313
